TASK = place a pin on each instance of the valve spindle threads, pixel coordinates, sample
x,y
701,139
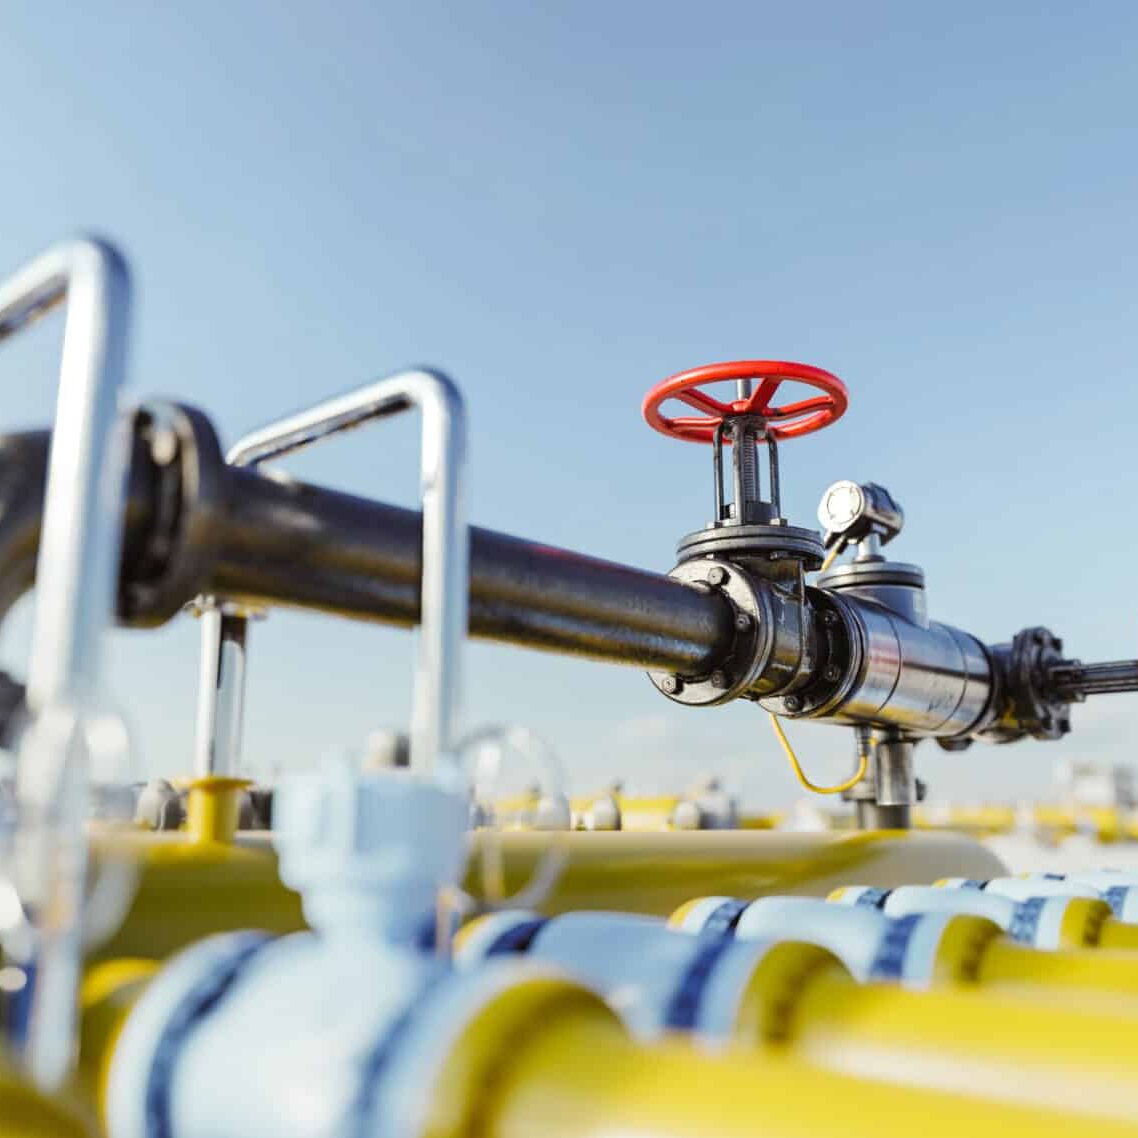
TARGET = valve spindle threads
x,y
745,459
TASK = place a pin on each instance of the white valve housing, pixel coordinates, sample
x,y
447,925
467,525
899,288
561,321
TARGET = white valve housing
x,y
370,848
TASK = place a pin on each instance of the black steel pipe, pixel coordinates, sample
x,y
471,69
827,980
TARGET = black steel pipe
x,y
291,544
23,482
196,526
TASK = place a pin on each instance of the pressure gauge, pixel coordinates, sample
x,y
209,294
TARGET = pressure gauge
x,y
853,511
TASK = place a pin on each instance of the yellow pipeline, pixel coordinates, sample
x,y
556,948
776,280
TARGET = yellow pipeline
x,y
1088,923
189,888
981,1043
1032,1048
25,1113
985,956
546,1058
1104,970
106,997
653,873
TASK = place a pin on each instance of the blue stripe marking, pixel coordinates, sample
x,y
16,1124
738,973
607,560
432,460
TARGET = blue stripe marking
x,y
683,1008
972,883
889,963
723,920
1115,897
873,899
517,938
194,1006
1025,920
363,1116
17,1007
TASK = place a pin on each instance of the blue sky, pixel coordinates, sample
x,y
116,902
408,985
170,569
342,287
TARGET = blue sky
x,y
561,205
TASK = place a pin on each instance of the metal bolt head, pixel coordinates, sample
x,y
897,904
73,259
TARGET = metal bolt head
x,y
792,703
742,622
717,576
829,617
720,679
163,445
831,673
671,685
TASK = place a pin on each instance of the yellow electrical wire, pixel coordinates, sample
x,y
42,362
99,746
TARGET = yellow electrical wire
x,y
800,774
830,558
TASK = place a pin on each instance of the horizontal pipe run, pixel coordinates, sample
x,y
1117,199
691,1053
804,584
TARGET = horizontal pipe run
x,y
286,543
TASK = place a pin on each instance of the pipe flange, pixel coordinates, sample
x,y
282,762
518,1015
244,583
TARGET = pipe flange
x,y
735,673
1031,698
859,574
181,550
840,654
770,543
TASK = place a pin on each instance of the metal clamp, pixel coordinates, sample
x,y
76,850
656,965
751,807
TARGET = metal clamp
x,y
445,560
76,577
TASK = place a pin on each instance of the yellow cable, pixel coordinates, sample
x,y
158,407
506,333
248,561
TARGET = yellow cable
x,y
859,774
830,558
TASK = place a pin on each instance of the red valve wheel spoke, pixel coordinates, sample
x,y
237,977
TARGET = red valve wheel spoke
x,y
784,422
759,403
803,407
701,401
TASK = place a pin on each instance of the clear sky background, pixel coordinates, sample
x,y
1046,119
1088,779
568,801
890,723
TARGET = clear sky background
x,y
560,205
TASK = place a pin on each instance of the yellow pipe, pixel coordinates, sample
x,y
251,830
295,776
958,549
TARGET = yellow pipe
x,y
972,1042
213,808
1117,934
107,994
1089,923
972,950
1104,970
189,888
559,1065
26,1113
799,995
653,873
546,1056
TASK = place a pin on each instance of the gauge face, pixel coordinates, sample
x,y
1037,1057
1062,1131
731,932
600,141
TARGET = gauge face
x,y
842,504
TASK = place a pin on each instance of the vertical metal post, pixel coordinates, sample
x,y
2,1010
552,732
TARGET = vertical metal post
x,y
221,689
772,463
893,770
445,565
717,467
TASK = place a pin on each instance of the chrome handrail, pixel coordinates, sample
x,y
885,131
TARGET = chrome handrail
x,y
445,564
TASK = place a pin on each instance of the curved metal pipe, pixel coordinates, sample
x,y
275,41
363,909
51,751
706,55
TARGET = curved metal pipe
x,y
79,554
443,582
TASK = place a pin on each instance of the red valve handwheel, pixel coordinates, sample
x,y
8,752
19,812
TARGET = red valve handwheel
x,y
786,422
